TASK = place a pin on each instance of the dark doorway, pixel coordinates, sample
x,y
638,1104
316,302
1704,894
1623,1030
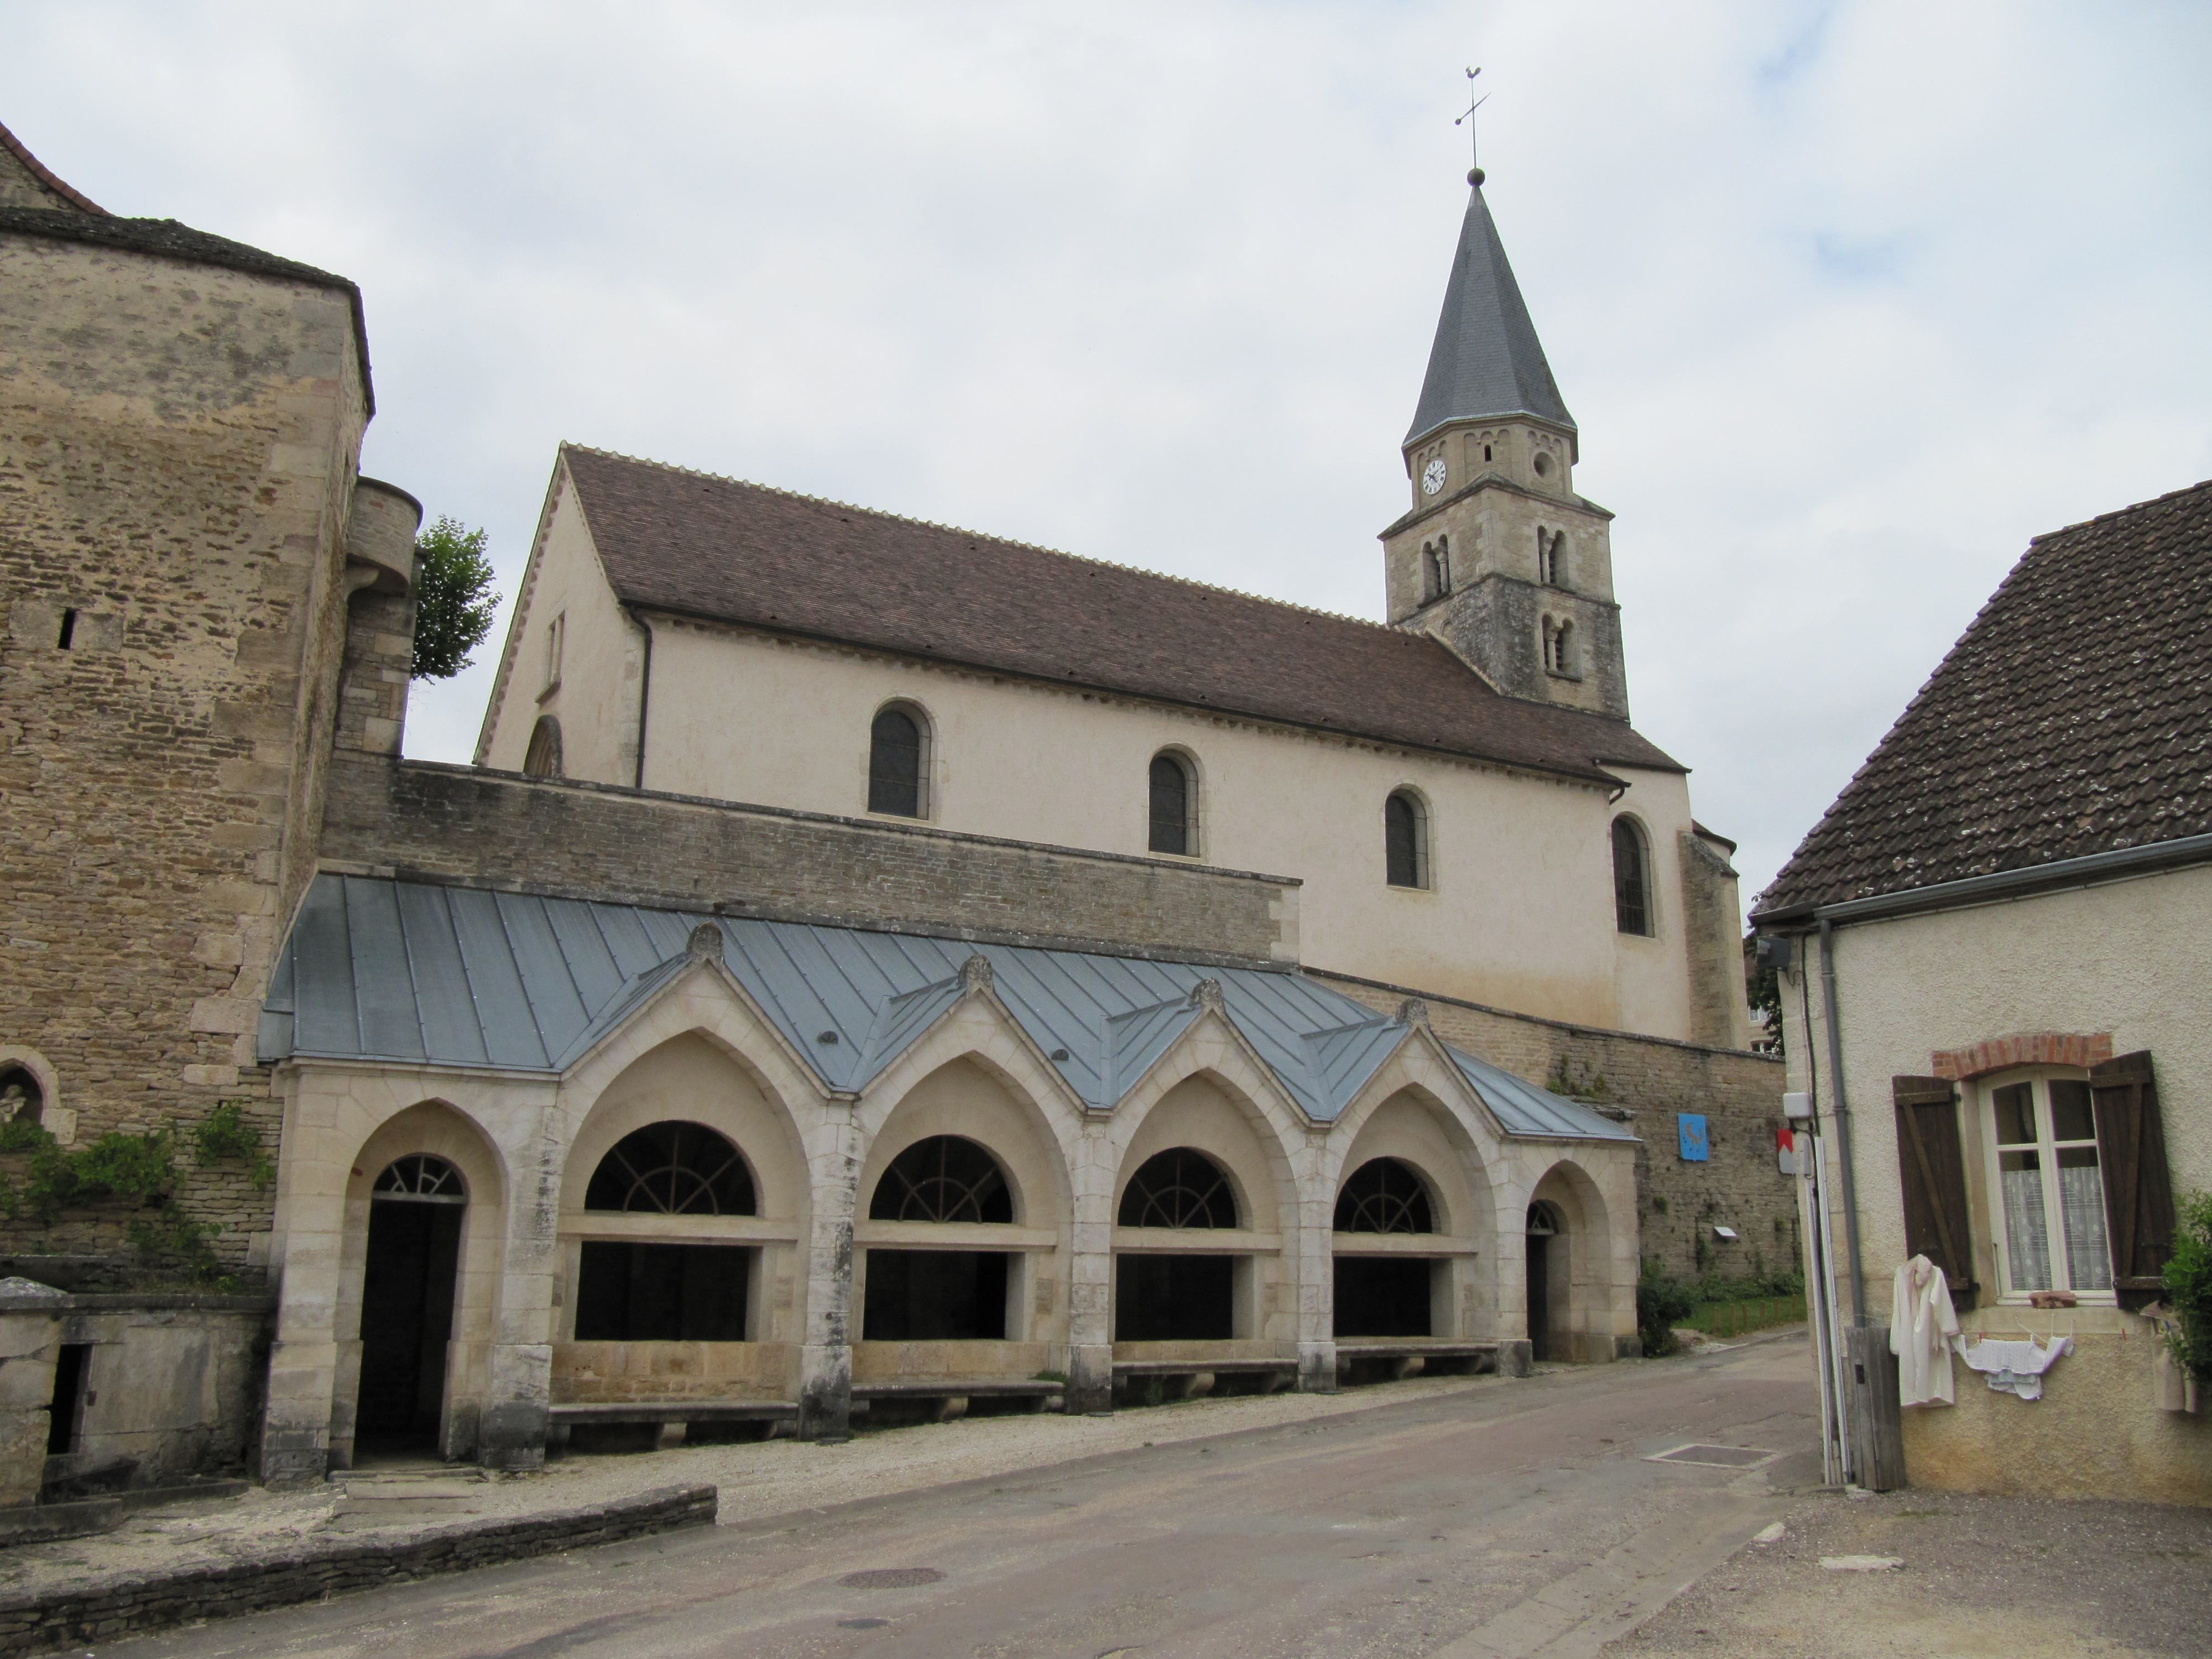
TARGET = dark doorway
x,y
407,1305
662,1293
935,1296
1383,1295
1542,1239
65,1413
1175,1298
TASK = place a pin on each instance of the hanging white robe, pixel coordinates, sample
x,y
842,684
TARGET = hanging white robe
x,y
1921,1327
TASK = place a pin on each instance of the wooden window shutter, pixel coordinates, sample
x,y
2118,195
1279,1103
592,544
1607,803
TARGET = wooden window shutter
x,y
2138,1190
1932,1172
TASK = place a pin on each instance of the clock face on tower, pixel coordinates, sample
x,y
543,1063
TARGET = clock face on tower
x,y
1432,476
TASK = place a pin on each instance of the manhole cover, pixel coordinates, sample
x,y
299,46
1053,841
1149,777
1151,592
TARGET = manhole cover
x,y
891,1578
1719,1457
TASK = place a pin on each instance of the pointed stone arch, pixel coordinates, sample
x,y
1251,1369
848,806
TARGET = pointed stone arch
x,y
435,1128
1579,1283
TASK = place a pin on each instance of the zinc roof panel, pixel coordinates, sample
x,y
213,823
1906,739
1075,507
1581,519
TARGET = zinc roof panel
x,y
510,1030
443,997
555,1004
383,982
592,967
326,1021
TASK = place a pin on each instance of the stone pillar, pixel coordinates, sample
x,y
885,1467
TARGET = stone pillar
x,y
1310,1241
30,1342
519,1393
1090,1274
825,1357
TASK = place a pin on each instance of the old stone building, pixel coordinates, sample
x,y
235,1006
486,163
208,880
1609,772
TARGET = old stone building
x,y
1008,1011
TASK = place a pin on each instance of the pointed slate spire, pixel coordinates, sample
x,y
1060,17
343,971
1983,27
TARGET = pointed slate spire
x,y
1488,362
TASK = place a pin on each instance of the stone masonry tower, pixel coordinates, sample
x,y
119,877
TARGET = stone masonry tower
x,y
1498,557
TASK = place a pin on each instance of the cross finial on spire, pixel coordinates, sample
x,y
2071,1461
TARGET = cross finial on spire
x,y
1466,120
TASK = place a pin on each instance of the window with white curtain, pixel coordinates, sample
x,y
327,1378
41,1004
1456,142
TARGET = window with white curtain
x,y
2047,1188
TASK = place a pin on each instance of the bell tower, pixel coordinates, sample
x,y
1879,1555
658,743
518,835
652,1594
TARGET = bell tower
x,y
1497,557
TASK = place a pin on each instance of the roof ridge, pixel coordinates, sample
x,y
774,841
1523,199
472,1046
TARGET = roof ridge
x,y
1003,541
2121,512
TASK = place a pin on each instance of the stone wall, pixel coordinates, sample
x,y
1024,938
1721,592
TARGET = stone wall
x,y
455,824
1645,1081
176,463
113,1604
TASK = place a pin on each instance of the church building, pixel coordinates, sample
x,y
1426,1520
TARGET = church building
x,y
870,968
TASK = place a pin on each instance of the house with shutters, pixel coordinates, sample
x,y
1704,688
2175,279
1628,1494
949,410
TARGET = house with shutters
x,y
1997,1001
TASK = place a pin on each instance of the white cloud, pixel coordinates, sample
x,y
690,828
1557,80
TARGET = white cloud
x,y
1850,300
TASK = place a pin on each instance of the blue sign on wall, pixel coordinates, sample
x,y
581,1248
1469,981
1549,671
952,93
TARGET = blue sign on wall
x,y
1691,1126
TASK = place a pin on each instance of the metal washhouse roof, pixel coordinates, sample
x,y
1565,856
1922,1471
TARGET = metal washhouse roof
x,y
377,969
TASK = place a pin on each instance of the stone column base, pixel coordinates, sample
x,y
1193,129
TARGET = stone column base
x,y
1316,1368
825,1393
1090,1379
1517,1358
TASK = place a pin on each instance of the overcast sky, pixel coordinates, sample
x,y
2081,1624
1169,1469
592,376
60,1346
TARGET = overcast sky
x,y
1849,299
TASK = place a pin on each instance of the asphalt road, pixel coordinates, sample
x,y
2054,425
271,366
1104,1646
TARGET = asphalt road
x,y
1522,1517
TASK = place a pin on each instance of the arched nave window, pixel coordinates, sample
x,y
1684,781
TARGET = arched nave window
x,y
1631,877
673,1169
1405,840
897,746
542,758
945,1178
1180,1187
1172,788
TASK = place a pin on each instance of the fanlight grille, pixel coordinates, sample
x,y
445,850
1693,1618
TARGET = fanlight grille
x,y
1384,1196
944,1178
1181,1188
673,1169
419,1178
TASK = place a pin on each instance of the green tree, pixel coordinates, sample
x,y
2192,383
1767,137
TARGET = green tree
x,y
453,600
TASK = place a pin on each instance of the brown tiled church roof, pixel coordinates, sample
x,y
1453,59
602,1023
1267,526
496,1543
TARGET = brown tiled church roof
x,y
693,544
2073,716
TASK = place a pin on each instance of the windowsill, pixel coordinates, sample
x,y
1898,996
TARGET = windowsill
x,y
1410,893
1557,674
548,692
892,818
1180,858
1641,939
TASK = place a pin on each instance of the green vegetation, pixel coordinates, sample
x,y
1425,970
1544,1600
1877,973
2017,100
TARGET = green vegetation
x,y
2189,1287
1718,1306
453,600
1662,1302
134,1169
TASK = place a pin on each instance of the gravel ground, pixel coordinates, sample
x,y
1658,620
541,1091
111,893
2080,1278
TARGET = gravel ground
x,y
2020,1577
755,1479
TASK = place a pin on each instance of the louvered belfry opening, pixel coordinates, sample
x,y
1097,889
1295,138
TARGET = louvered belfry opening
x,y
938,1295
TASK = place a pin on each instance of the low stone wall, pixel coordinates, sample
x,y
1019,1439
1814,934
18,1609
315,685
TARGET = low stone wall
x,y
627,1373
418,819
115,1604
1646,1082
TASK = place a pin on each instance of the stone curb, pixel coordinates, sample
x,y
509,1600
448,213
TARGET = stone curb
x,y
116,1604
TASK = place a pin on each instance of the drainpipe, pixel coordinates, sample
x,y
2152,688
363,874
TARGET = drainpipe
x,y
645,696
1842,1111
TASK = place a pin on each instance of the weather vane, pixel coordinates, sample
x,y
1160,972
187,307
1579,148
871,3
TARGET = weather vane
x,y
1466,120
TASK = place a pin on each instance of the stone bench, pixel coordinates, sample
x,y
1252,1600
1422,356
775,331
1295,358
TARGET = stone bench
x,y
673,1417
1195,1377
951,1394
1410,1355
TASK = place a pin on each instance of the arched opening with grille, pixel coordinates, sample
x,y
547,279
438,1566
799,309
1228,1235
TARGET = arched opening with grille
x,y
899,761
1386,1295
20,1094
1177,1298
938,1295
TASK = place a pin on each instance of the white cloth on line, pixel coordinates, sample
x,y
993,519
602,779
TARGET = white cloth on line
x,y
1921,1327
2016,1367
